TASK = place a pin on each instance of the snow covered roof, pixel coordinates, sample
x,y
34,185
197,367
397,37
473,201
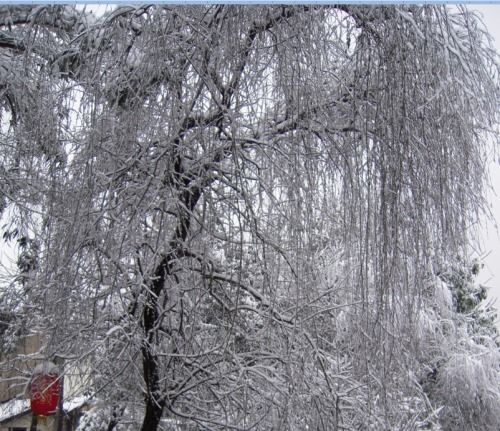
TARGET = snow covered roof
x,y
74,403
12,408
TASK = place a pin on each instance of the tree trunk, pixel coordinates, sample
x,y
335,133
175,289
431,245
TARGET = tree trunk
x,y
154,400
153,413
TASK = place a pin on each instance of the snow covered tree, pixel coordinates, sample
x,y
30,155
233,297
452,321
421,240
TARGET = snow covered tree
x,y
234,209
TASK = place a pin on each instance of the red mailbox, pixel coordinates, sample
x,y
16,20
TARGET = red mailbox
x,y
45,390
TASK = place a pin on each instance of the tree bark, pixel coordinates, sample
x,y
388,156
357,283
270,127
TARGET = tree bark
x,y
155,400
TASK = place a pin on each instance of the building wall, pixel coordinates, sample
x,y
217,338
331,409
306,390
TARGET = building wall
x,y
16,367
24,421
16,370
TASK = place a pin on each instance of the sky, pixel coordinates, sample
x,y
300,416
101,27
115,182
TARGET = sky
x,y
490,247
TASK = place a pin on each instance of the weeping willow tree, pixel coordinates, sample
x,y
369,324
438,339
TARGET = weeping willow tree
x,y
227,216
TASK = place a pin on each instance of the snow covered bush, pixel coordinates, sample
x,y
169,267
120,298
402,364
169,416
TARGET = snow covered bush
x,y
460,356
468,385
103,417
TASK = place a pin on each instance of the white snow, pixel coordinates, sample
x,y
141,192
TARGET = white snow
x,y
17,407
46,368
13,408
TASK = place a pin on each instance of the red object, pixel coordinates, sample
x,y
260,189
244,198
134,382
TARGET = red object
x,y
45,390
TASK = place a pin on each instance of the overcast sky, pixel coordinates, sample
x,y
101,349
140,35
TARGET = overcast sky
x,y
490,276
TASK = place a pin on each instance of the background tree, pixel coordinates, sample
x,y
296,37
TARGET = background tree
x,y
234,210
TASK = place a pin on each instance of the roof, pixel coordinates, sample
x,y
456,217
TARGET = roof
x,y
14,408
